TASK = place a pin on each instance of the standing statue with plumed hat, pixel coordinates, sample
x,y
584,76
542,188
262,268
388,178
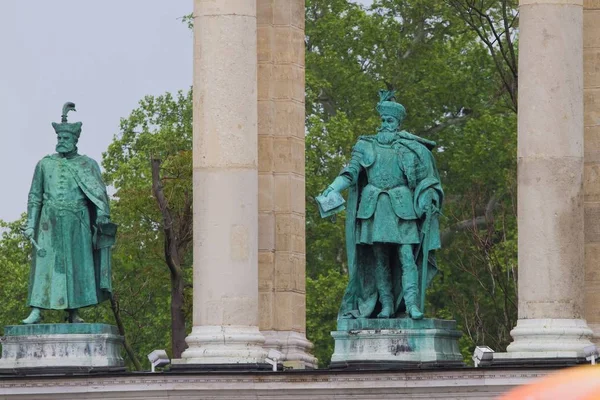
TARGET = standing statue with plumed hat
x,y
392,228
68,222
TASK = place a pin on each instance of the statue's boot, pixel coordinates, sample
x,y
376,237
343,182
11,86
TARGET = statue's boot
x,y
34,317
410,278
383,281
387,307
74,317
414,312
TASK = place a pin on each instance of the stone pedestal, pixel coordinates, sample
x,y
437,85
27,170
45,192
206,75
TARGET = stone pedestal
x,y
47,348
395,343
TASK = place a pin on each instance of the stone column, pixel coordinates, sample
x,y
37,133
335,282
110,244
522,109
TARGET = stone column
x,y
281,216
550,178
225,147
591,185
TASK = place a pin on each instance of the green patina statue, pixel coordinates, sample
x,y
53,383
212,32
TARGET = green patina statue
x,y
68,222
392,226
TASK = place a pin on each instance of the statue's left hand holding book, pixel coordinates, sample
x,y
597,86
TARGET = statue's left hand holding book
x,y
330,203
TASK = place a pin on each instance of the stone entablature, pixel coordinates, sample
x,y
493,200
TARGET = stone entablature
x,y
464,383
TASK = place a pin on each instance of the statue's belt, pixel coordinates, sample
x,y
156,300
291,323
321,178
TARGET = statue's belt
x,y
73,205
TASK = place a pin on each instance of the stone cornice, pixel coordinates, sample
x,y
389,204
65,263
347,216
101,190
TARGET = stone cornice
x,y
432,384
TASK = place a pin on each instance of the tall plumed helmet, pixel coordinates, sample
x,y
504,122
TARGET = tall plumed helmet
x,y
64,126
388,106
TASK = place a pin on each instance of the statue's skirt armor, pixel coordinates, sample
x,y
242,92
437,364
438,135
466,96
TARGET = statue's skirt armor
x,y
385,226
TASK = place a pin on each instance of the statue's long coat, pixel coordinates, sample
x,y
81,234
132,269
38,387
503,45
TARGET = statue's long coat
x,y
66,196
418,165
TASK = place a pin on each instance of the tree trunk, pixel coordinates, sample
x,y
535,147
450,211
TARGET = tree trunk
x,y
114,305
173,262
177,316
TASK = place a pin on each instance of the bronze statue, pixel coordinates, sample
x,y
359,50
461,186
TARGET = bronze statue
x,y
68,221
392,223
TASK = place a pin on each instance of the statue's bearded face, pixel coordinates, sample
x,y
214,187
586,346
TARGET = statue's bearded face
x,y
66,143
387,131
389,124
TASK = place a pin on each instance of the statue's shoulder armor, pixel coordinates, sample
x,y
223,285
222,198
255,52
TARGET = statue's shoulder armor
x,y
428,144
364,146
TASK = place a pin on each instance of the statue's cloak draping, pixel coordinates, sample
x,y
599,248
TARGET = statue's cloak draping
x,y
360,297
75,270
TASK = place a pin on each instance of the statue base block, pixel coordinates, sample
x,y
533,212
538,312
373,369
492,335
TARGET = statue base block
x,y
61,348
395,343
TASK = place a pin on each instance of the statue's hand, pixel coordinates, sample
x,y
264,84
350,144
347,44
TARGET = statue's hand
x,y
327,191
28,233
102,219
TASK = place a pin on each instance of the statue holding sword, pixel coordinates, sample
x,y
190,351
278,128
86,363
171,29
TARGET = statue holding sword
x,y
392,227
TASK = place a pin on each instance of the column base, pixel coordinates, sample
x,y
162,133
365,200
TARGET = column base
x,y
596,329
294,346
549,338
228,345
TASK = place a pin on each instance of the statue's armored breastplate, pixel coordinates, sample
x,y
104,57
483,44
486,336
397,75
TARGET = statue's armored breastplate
x,y
385,173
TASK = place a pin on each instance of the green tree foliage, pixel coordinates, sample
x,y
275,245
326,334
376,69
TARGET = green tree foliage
x,y
449,81
152,257
15,257
328,290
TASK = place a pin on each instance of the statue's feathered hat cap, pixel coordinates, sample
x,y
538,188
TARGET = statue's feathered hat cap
x,y
387,105
64,126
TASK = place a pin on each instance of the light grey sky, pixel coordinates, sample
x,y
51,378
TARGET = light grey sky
x,y
102,55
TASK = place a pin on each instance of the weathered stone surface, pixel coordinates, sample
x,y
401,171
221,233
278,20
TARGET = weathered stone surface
x,y
59,329
551,237
281,178
226,196
545,337
591,184
397,340
457,384
61,345
294,347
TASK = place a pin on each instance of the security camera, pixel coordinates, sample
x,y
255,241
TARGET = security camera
x,y
274,354
482,355
272,358
591,353
158,358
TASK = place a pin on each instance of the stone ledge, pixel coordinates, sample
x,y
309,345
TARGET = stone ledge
x,y
448,384
59,329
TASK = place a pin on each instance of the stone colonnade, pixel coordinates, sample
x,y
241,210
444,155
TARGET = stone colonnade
x,y
248,183
550,182
591,90
281,185
249,180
